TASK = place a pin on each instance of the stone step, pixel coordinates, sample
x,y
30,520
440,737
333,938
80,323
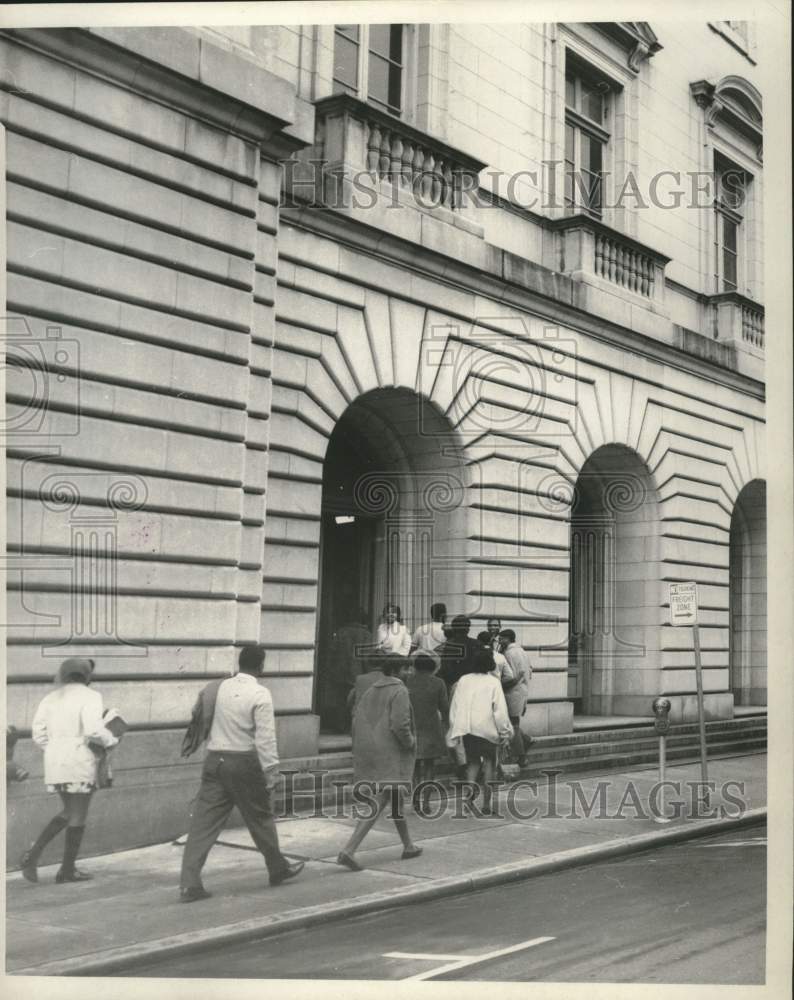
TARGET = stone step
x,y
647,737
596,755
605,750
587,735
650,748
626,761
326,795
750,725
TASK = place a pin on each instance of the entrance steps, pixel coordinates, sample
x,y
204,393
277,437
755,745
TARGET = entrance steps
x,y
621,745
625,746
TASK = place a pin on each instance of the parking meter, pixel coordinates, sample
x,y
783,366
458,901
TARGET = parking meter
x,y
661,712
661,723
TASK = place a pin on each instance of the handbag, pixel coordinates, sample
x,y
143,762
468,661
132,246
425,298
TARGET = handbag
x,y
115,724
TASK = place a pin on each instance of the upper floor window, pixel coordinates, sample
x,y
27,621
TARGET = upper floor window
x,y
740,28
369,64
739,34
729,201
586,140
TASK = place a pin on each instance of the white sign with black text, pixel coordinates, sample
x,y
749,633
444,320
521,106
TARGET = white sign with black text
x,y
683,604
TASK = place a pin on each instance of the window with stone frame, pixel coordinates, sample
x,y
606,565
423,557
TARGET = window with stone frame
x,y
739,28
587,111
739,34
730,197
369,63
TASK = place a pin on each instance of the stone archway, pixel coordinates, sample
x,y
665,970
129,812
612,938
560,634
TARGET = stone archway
x,y
393,522
613,637
748,586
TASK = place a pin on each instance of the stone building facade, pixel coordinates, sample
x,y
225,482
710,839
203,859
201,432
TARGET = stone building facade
x,y
313,318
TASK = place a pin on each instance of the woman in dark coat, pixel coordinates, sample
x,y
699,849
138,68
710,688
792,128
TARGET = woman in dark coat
x,y
430,705
384,749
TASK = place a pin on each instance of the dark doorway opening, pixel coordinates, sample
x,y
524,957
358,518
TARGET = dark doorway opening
x,y
393,531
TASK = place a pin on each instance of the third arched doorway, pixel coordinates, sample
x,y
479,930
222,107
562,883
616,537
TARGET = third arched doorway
x,y
393,528
613,634
748,636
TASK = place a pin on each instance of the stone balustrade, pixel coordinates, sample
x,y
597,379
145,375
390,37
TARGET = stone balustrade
x,y
590,251
433,177
753,325
738,320
362,151
624,265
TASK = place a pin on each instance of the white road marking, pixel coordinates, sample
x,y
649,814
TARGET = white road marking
x,y
428,958
455,962
757,842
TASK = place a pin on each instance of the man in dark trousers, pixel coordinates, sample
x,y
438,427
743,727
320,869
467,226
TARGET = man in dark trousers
x,y
516,690
240,770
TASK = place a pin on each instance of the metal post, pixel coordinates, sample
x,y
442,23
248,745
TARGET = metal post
x,y
661,723
661,818
701,710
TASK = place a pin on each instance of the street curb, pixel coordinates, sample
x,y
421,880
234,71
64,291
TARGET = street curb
x,y
115,960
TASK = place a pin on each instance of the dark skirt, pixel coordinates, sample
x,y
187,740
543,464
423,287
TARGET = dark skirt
x,y
478,748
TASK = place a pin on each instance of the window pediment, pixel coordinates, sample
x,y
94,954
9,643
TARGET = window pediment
x,y
734,103
637,37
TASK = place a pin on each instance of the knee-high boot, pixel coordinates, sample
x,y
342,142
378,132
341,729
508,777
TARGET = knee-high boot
x,y
68,872
30,858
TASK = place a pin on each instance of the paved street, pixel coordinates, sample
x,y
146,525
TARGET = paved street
x,y
689,913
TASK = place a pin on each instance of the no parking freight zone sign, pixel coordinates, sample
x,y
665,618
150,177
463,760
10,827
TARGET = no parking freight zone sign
x,y
683,604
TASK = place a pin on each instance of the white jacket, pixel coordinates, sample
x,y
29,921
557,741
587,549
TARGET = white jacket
x,y
393,639
478,709
64,722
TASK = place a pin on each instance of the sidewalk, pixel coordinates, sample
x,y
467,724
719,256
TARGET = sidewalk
x,y
130,913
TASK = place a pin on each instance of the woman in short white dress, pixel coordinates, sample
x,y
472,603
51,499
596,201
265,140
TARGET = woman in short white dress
x,y
67,723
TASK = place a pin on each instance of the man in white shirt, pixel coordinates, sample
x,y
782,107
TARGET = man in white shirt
x,y
241,769
427,638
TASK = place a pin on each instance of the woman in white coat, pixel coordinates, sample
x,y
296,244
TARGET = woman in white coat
x,y
67,723
479,721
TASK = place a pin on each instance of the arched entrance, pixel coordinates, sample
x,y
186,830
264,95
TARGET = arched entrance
x,y
393,527
748,596
613,634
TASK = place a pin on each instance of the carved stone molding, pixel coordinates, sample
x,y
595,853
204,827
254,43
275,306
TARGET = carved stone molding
x,y
733,102
637,37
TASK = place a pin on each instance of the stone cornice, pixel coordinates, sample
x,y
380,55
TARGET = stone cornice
x,y
182,69
518,282
637,37
737,298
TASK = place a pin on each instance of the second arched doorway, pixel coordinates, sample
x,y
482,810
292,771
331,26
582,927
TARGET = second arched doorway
x,y
613,634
